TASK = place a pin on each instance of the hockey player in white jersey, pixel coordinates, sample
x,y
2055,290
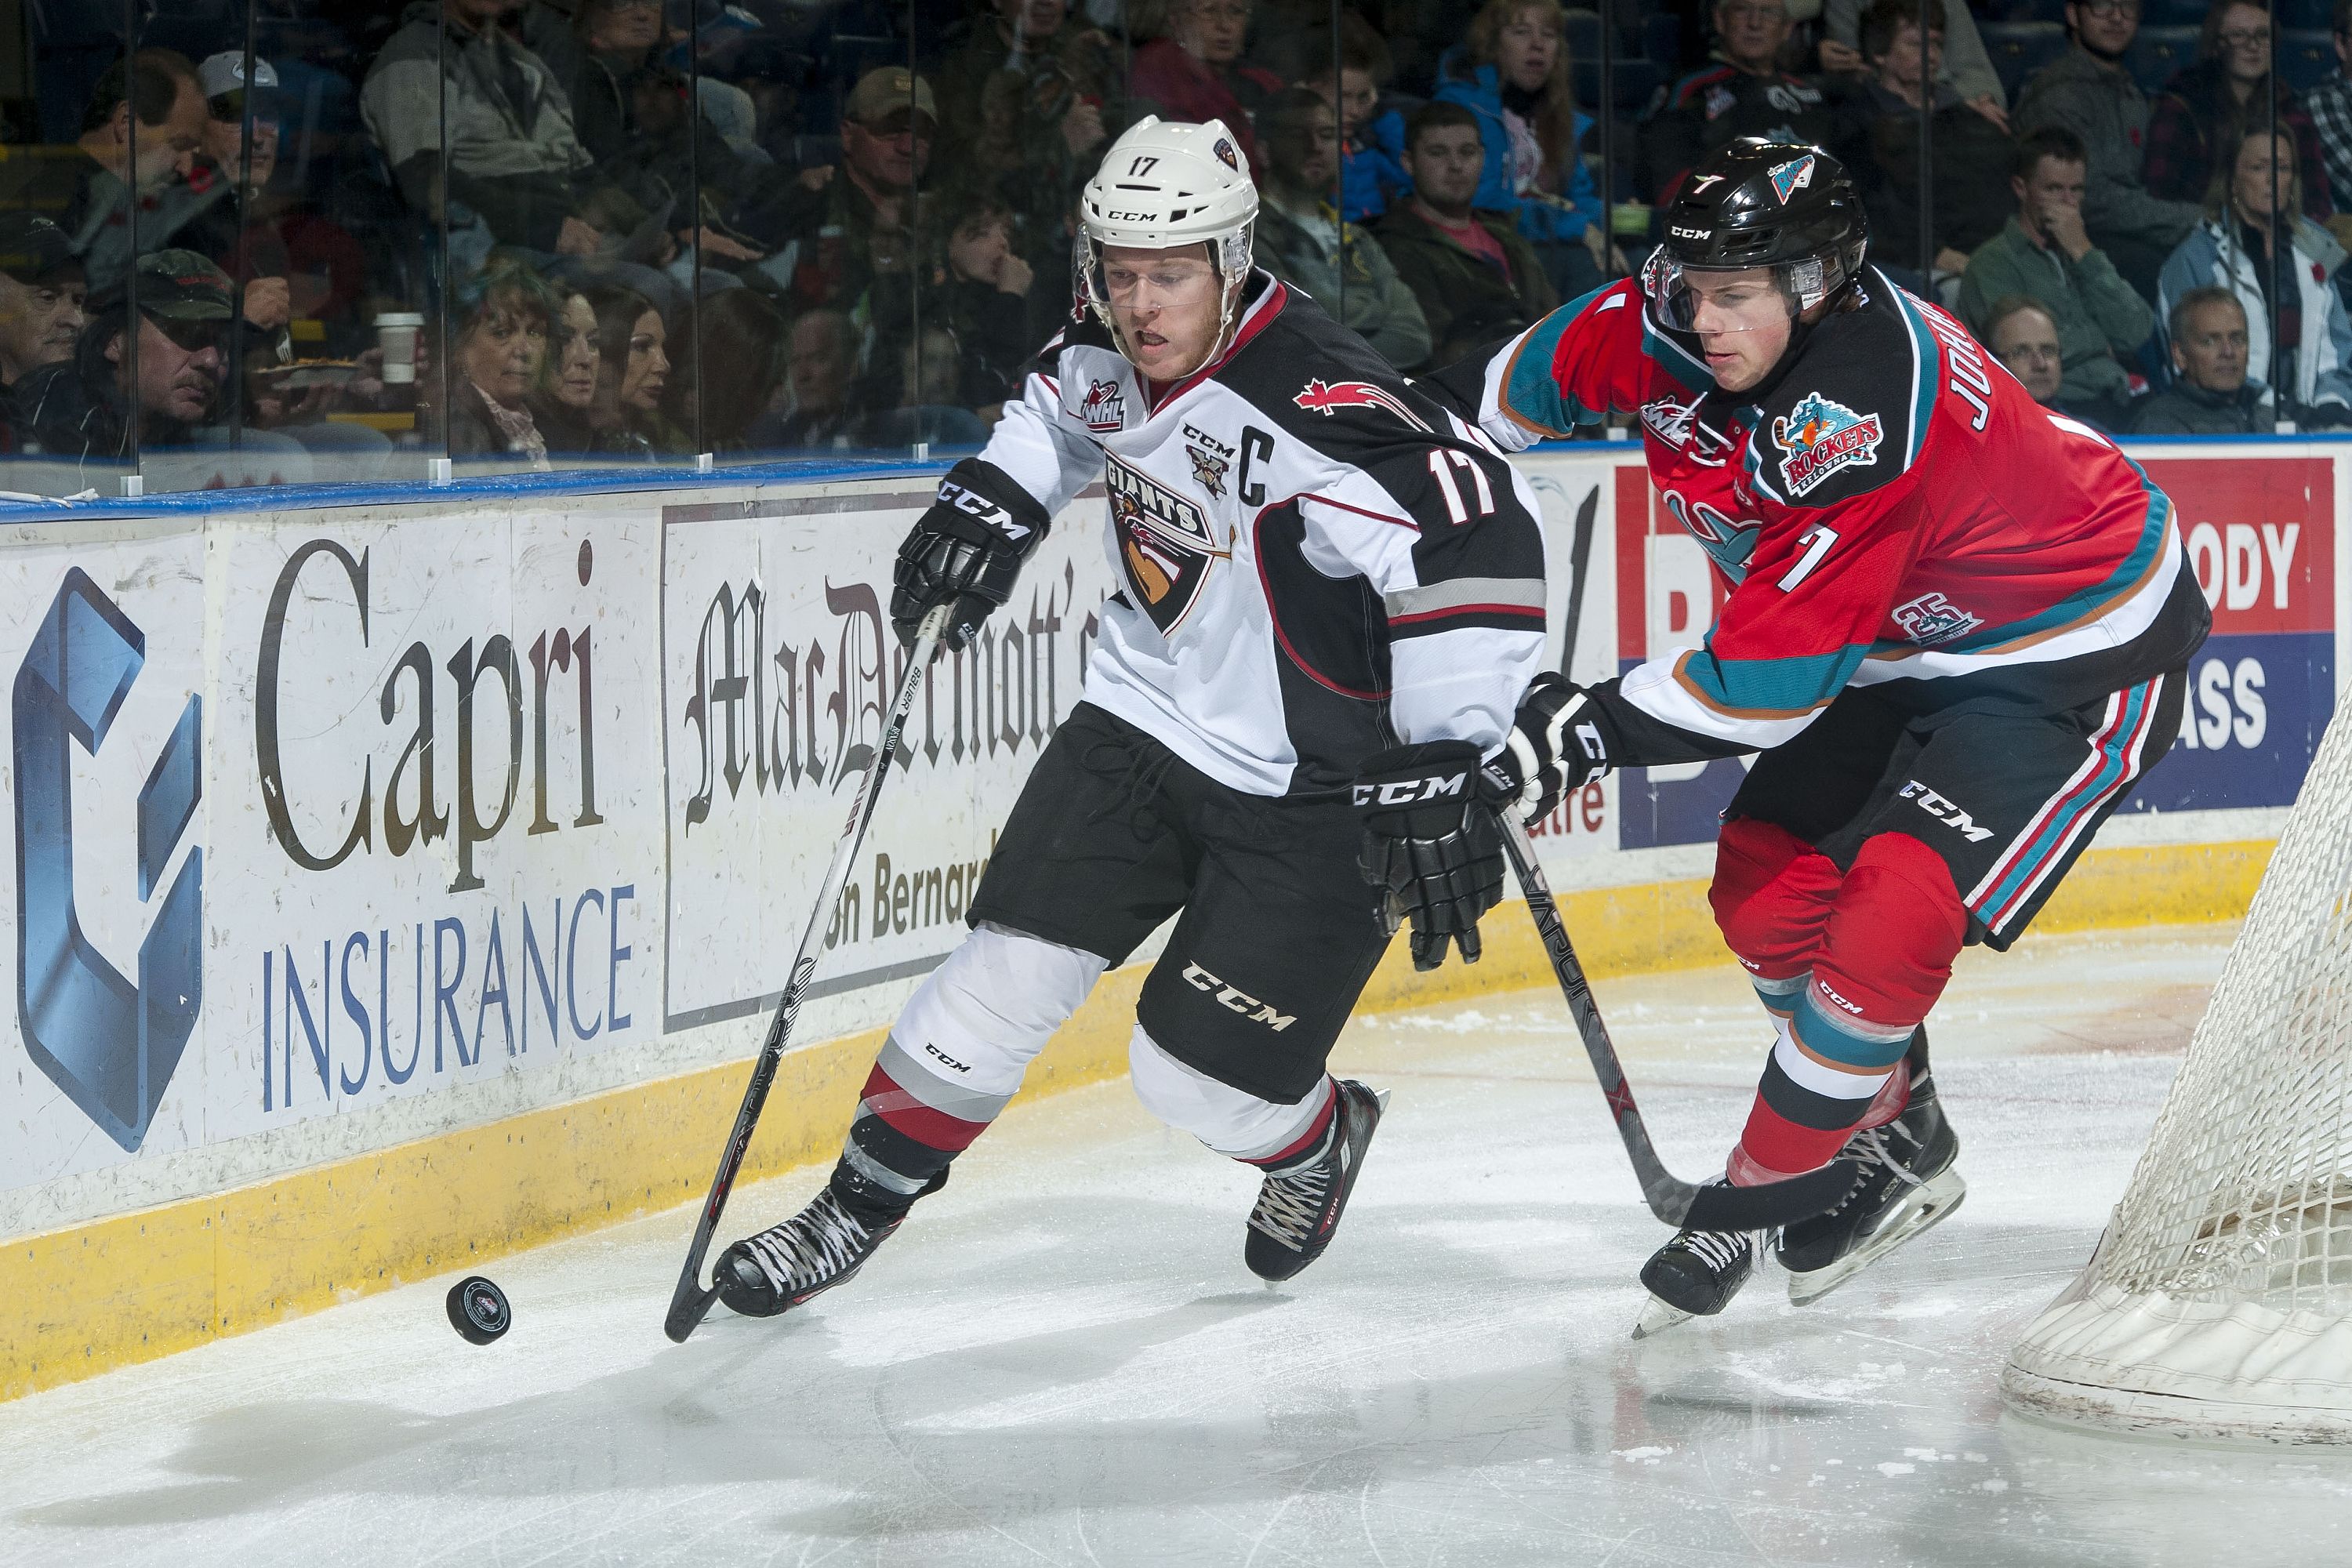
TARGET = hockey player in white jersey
x,y
1333,599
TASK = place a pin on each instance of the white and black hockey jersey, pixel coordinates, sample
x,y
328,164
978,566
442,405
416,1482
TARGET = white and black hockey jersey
x,y
1319,562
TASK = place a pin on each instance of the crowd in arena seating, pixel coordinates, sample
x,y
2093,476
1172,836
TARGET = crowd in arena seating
x,y
538,233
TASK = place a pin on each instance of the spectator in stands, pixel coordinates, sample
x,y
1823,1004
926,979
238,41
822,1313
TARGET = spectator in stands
x,y
1302,239
1966,72
1195,72
563,406
595,55
1346,71
80,408
929,367
217,229
1030,100
2045,254
2330,105
819,411
634,342
506,316
986,302
2217,102
857,226
2088,91
1475,274
2210,394
1879,131
42,296
1743,94
743,337
1512,73
2023,336
89,191
452,76
2311,356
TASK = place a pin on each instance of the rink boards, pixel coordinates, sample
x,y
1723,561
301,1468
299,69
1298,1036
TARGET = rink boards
x,y
401,876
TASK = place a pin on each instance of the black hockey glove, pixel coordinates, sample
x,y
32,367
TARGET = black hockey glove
x,y
1558,744
1432,845
965,551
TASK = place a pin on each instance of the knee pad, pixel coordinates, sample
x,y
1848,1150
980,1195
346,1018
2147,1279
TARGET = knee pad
x,y
1772,895
980,1018
1232,1121
1891,938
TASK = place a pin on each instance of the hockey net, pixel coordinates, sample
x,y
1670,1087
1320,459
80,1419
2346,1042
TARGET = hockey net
x,y
2219,1304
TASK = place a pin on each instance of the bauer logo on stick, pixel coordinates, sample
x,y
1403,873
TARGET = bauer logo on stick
x,y
1820,438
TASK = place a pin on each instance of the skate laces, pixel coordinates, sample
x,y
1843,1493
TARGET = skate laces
x,y
1872,1142
820,1240
1718,1249
1290,1203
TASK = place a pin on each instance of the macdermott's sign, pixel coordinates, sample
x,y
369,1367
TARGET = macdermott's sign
x,y
337,827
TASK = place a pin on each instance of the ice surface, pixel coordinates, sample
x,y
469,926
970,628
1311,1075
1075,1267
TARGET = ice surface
x,y
1061,1360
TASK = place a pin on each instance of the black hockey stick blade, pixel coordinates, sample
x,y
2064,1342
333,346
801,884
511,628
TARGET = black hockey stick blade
x,y
1774,1204
1672,1199
1580,556
691,1301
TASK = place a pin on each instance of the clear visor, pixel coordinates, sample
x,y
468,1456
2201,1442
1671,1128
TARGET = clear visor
x,y
1712,301
1152,281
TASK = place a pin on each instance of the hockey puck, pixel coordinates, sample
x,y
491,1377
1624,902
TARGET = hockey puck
x,y
478,1310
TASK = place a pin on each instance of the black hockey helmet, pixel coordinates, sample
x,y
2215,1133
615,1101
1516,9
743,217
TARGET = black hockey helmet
x,y
1755,203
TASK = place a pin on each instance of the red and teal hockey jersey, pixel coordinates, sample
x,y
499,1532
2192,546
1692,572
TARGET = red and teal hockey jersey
x,y
1891,509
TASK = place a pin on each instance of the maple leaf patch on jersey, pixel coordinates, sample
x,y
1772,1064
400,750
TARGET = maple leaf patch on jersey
x,y
1165,547
1327,399
1820,438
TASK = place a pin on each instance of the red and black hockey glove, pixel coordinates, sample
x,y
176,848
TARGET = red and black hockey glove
x,y
1559,742
1432,845
965,551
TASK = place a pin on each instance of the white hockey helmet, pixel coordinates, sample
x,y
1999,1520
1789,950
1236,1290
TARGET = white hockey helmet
x,y
1163,185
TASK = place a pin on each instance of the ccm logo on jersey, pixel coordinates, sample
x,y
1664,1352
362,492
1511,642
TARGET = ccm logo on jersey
x,y
979,508
1237,1000
1411,792
1944,811
1329,399
1819,438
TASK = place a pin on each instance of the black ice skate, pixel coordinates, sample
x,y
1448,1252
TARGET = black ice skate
x,y
823,1246
1696,1275
1911,1185
1298,1210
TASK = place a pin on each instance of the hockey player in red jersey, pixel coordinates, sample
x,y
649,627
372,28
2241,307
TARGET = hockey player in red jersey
x,y
1332,589
1956,629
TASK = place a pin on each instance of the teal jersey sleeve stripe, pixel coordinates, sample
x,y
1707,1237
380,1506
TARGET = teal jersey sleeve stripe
x,y
1930,365
1773,686
1532,393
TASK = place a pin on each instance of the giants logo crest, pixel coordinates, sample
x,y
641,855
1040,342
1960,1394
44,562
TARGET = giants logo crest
x,y
1164,545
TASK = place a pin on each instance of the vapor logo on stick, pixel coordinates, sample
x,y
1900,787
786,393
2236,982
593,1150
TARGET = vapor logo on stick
x,y
111,1045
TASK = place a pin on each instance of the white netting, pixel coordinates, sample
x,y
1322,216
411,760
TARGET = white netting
x,y
2220,1301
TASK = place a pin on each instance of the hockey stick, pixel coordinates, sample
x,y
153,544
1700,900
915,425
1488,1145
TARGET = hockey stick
x,y
690,1302
1580,556
1677,1202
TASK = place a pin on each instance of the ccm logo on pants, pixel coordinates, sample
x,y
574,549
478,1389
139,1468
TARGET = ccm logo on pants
x,y
1241,1001
1946,812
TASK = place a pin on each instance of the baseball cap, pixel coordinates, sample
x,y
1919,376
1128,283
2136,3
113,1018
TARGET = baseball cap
x,y
222,77
182,286
889,89
32,248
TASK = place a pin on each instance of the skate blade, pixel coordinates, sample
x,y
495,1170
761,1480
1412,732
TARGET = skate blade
x,y
1657,1318
1927,1204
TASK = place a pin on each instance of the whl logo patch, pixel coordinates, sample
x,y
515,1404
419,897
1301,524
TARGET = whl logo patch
x,y
1820,438
1105,407
110,1044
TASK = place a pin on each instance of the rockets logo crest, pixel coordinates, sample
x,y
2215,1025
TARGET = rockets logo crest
x,y
1165,547
1328,399
1820,438
1105,407
1793,176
